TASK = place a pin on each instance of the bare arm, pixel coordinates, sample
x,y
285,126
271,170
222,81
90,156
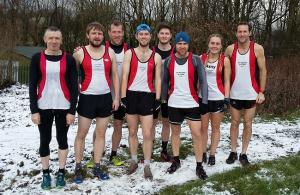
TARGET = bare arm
x,y
229,50
78,55
261,62
158,64
115,78
227,75
125,72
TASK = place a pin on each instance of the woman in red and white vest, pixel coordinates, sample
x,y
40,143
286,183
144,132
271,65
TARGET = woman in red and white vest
x,y
217,68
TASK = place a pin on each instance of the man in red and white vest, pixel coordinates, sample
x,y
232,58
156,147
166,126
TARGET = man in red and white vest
x,y
53,94
140,96
98,66
183,81
248,82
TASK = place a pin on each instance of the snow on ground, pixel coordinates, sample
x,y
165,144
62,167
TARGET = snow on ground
x,y
20,164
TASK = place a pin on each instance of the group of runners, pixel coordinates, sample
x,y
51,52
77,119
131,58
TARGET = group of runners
x,y
139,83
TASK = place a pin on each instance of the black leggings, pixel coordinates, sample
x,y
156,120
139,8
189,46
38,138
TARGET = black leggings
x,y
45,129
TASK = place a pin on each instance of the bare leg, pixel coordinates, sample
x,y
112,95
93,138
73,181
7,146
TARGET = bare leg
x,y
165,132
234,128
216,119
195,127
153,128
62,158
83,128
204,130
147,124
247,132
101,126
117,134
45,162
132,121
175,137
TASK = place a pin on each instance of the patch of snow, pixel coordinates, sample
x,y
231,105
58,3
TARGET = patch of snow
x,y
20,163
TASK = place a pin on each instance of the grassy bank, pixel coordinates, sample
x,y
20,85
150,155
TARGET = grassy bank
x,y
281,176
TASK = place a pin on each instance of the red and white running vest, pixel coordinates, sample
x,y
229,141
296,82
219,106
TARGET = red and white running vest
x,y
53,92
141,74
119,58
244,74
214,77
182,92
96,74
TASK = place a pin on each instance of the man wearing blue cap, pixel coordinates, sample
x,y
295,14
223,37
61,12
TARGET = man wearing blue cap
x,y
183,71
141,67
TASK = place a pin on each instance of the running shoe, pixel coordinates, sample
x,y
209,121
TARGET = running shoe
x,y
46,183
231,158
60,180
147,173
98,172
78,175
201,173
211,160
244,160
132,167
90,164
175,165
116,161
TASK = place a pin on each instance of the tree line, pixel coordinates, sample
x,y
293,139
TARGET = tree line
x,y
276,23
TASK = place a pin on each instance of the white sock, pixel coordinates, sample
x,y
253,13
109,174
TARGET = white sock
x,y
134,158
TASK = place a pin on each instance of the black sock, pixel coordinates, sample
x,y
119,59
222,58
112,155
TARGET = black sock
x,y
176,158
199,164
113,153
164,145
46,171
78,166
97,165
61,171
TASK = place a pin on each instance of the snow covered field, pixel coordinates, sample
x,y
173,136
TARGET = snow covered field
x,y
20,164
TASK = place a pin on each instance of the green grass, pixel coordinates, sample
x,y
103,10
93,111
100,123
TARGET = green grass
x,y
280,176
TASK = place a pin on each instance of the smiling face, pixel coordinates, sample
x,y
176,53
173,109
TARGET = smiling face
x,y
95,37
53,40
182,48
243,33
215,45
116,34
143,38
164,36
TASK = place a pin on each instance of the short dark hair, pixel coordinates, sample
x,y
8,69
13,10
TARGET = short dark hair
x,y
94,25
52,28
163,25
116,23
244,23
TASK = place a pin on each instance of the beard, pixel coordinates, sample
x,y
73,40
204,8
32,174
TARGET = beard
x,y
144,44
95,44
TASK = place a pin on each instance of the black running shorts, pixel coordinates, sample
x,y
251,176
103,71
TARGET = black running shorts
x,y
164,111
92,106
140,103
242,104
213,106
119,114
177,115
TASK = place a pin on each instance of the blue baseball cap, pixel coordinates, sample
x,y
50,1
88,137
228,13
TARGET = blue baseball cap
x,y
141,27
182,36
